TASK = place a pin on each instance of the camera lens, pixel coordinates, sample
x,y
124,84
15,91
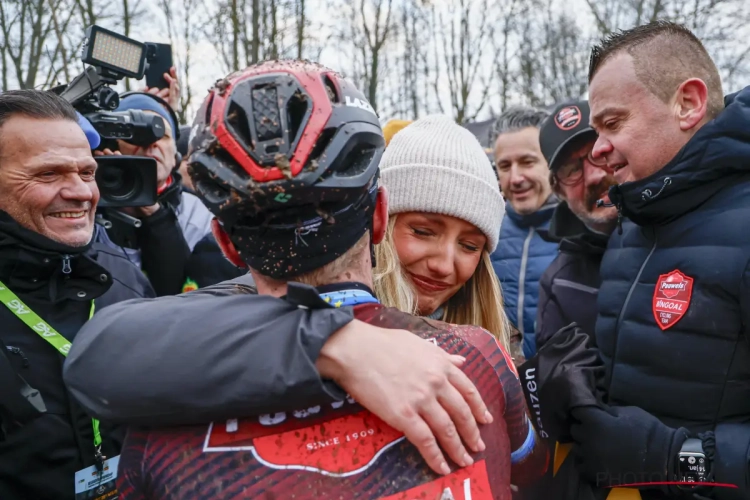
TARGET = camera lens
x,y
117,183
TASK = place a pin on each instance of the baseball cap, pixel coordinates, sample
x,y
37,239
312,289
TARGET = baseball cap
x,y
567,122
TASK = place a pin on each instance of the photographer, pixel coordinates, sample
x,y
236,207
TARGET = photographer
x,y
52,279
169,230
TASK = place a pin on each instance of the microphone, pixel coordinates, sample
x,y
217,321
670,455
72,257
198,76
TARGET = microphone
x,y
601,203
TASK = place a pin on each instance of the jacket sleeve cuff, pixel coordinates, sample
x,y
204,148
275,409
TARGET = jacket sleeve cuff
x,y
732,461
320,326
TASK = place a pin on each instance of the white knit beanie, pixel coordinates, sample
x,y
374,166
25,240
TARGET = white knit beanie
x,y
435,165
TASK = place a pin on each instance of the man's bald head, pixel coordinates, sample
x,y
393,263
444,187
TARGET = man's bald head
x,y
665,54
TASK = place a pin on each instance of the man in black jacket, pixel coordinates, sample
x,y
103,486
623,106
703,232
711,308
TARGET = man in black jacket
x,y
568,288
52,278
674,306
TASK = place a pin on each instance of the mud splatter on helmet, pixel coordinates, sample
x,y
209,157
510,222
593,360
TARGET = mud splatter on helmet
x,y
285,154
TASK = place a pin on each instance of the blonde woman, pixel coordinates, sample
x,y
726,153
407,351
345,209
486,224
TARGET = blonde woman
x,y
445,212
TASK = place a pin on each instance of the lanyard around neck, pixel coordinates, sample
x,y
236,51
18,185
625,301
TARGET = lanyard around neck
x,y
345,298
44,330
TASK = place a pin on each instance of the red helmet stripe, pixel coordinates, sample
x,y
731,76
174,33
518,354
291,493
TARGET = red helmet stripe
x,y
311,82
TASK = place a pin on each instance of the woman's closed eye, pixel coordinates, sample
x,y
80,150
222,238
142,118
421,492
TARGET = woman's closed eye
x,y
421,231
471,247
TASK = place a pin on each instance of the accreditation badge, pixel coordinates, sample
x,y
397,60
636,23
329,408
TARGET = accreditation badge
x,y
94,485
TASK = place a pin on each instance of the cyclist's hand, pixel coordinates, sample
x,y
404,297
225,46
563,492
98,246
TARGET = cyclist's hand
x,y
413,385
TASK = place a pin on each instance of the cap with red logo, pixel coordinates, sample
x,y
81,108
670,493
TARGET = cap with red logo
x,y
568,122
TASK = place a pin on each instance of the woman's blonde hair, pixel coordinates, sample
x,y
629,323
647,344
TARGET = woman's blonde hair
x,y
479,302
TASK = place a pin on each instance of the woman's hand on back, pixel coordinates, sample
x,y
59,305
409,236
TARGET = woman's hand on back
x,y
413,385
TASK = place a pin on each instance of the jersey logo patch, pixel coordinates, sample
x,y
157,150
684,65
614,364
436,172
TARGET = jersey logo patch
x,y
671,298
311,439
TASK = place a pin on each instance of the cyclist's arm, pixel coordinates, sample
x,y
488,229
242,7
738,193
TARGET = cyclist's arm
x,y
222,352
206,354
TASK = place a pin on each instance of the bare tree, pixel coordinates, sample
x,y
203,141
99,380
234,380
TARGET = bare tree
x,y
464,32
4,67
254,41
183,27
256,30
553,57
410,92
131,12
25,26
63,47
363,30
504,52
722,25
88,12
301,20
225,31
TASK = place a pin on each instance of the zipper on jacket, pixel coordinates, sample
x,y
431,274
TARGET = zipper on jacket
x,y
522,278
618,324
66,264
19,352
619,218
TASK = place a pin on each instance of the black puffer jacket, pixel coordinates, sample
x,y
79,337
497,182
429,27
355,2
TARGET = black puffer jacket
x,y
569,287
674,304
38,460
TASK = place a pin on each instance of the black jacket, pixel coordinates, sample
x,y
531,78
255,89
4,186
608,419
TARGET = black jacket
x,y
39,459
208,266
678,345
200,356
177,251
569,287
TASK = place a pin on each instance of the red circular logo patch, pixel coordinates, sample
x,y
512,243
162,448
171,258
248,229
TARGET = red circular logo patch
x,y
568,118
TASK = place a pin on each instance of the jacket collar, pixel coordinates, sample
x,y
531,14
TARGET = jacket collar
x,y
713,158
33,264
344,285
537,218
572,234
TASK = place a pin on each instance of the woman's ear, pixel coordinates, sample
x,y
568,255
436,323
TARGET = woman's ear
x,y
226,245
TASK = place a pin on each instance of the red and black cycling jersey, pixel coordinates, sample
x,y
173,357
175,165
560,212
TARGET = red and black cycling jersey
x,y
339,450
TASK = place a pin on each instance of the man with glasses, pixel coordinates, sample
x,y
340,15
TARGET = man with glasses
x,y
581,223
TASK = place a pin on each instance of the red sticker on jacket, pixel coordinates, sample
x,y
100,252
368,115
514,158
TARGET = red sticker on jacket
x,y
308,440
671,298
468,483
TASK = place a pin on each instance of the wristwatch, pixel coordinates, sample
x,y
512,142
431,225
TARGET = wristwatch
x,y
692,464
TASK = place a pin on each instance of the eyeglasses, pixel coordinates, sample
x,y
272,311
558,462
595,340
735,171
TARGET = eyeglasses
x,y
571,173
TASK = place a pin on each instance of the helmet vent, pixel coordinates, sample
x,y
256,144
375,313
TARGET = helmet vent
x,y
331,90
209,108
321,144
237,119
296,111
266,113
354,162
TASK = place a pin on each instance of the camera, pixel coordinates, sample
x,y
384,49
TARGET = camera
x,y
124,181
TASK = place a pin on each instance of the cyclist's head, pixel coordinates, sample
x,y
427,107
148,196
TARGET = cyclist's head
x,y
285,154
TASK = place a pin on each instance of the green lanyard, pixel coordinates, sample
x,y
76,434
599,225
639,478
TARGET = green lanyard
x,y
44,330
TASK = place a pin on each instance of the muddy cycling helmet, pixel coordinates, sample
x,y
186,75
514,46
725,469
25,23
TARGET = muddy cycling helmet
x,y
285,154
